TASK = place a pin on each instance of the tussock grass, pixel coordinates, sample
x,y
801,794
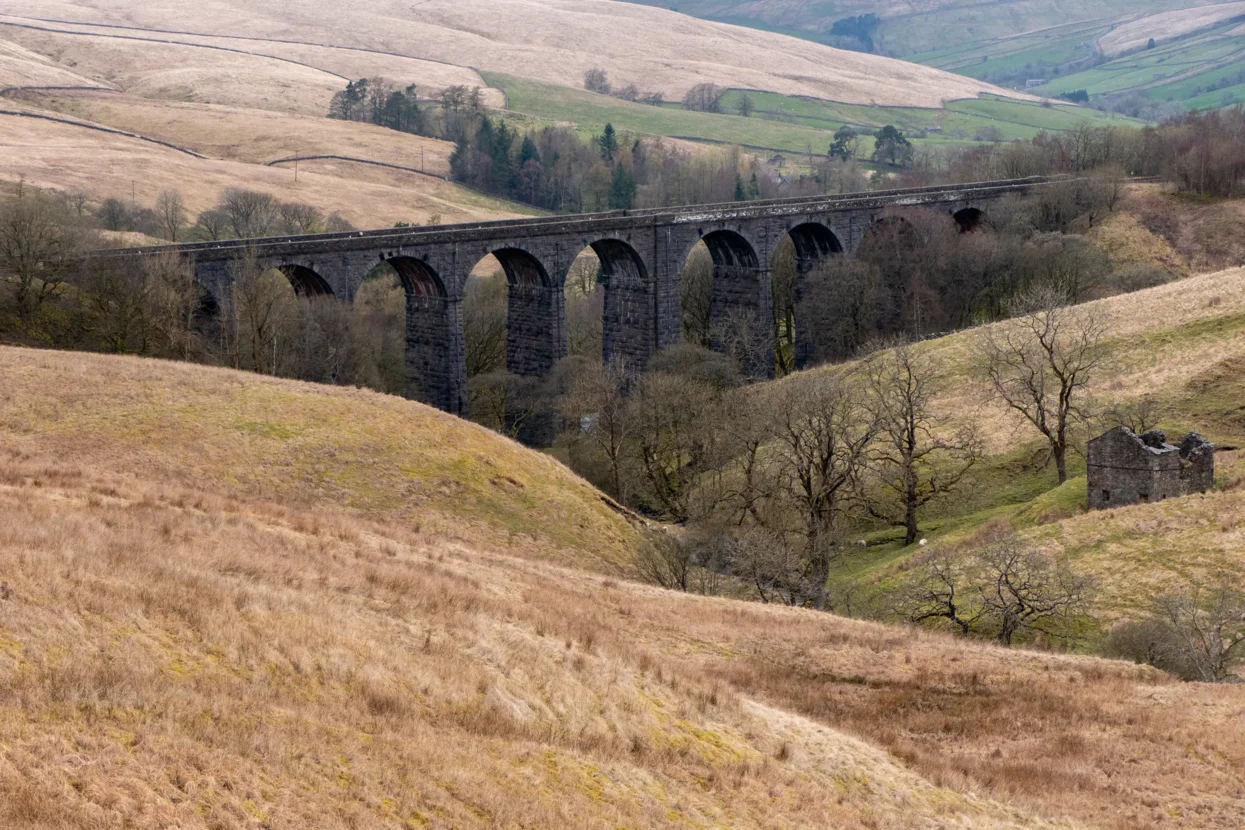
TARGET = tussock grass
x,y
219,611
299,444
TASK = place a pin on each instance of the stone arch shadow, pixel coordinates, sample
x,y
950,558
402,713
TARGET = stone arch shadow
x,y
629,320
741,301
535,327
970,219
813,244
306,281
435,355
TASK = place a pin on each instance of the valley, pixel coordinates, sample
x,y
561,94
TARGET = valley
x,y
743,518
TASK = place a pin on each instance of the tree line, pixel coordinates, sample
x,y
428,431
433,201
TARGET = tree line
x,y
52,296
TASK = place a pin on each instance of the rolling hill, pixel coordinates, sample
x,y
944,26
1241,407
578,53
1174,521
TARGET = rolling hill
x,y
248,84
548,40
230,600
1181,345
1180,52
906,28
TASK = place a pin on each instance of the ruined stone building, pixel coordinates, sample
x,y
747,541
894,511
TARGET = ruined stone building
x,y
1126,468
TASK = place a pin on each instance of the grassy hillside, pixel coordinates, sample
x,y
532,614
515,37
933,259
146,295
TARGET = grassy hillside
x,y
298,445
241,109
1181,344
792,124
547,40
909,28
63,157
1195,60
247,84
1201,70
234,601
1102,48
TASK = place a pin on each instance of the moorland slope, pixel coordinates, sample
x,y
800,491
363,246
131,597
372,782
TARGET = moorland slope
x,y
232,600
548,40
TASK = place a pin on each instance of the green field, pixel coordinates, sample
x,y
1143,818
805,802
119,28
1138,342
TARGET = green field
x,y
1201,70
1184,70
1012,43
788,124
909,29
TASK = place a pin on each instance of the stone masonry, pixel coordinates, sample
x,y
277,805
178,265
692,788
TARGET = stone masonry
x,y
642,254
1125,468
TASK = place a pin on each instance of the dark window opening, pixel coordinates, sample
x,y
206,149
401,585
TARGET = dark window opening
x,y
1106,495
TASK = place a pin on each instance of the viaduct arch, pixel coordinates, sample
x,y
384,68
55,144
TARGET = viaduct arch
x,y
642,253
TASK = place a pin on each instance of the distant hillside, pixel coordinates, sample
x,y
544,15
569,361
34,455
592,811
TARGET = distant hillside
x,y
234,601
905,28
1156,52
548,40
248,84
1181,345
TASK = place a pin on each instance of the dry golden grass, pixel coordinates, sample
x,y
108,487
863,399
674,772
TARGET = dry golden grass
x,y
1130,243
193,632
21,67
251,135
1156,339
551,40
286,78
290,442
1204,233
63,157
1166,25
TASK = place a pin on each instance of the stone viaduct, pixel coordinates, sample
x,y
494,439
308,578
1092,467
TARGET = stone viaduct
x,y
642,253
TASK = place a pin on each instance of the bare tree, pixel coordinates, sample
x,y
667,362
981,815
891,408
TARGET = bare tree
x,y
704,97
1040,365
37,245
670,417
250,212
502,401
262,302
584,325
748,339
175,299
583,277
746,481
696,297
213,224
822,431
664,560
120,297
77,199
336,223
1022,590
596,405
916,459
744,106
776,569
170,213
597,80
1205,632
484,324
1139,416
942,591
299,217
